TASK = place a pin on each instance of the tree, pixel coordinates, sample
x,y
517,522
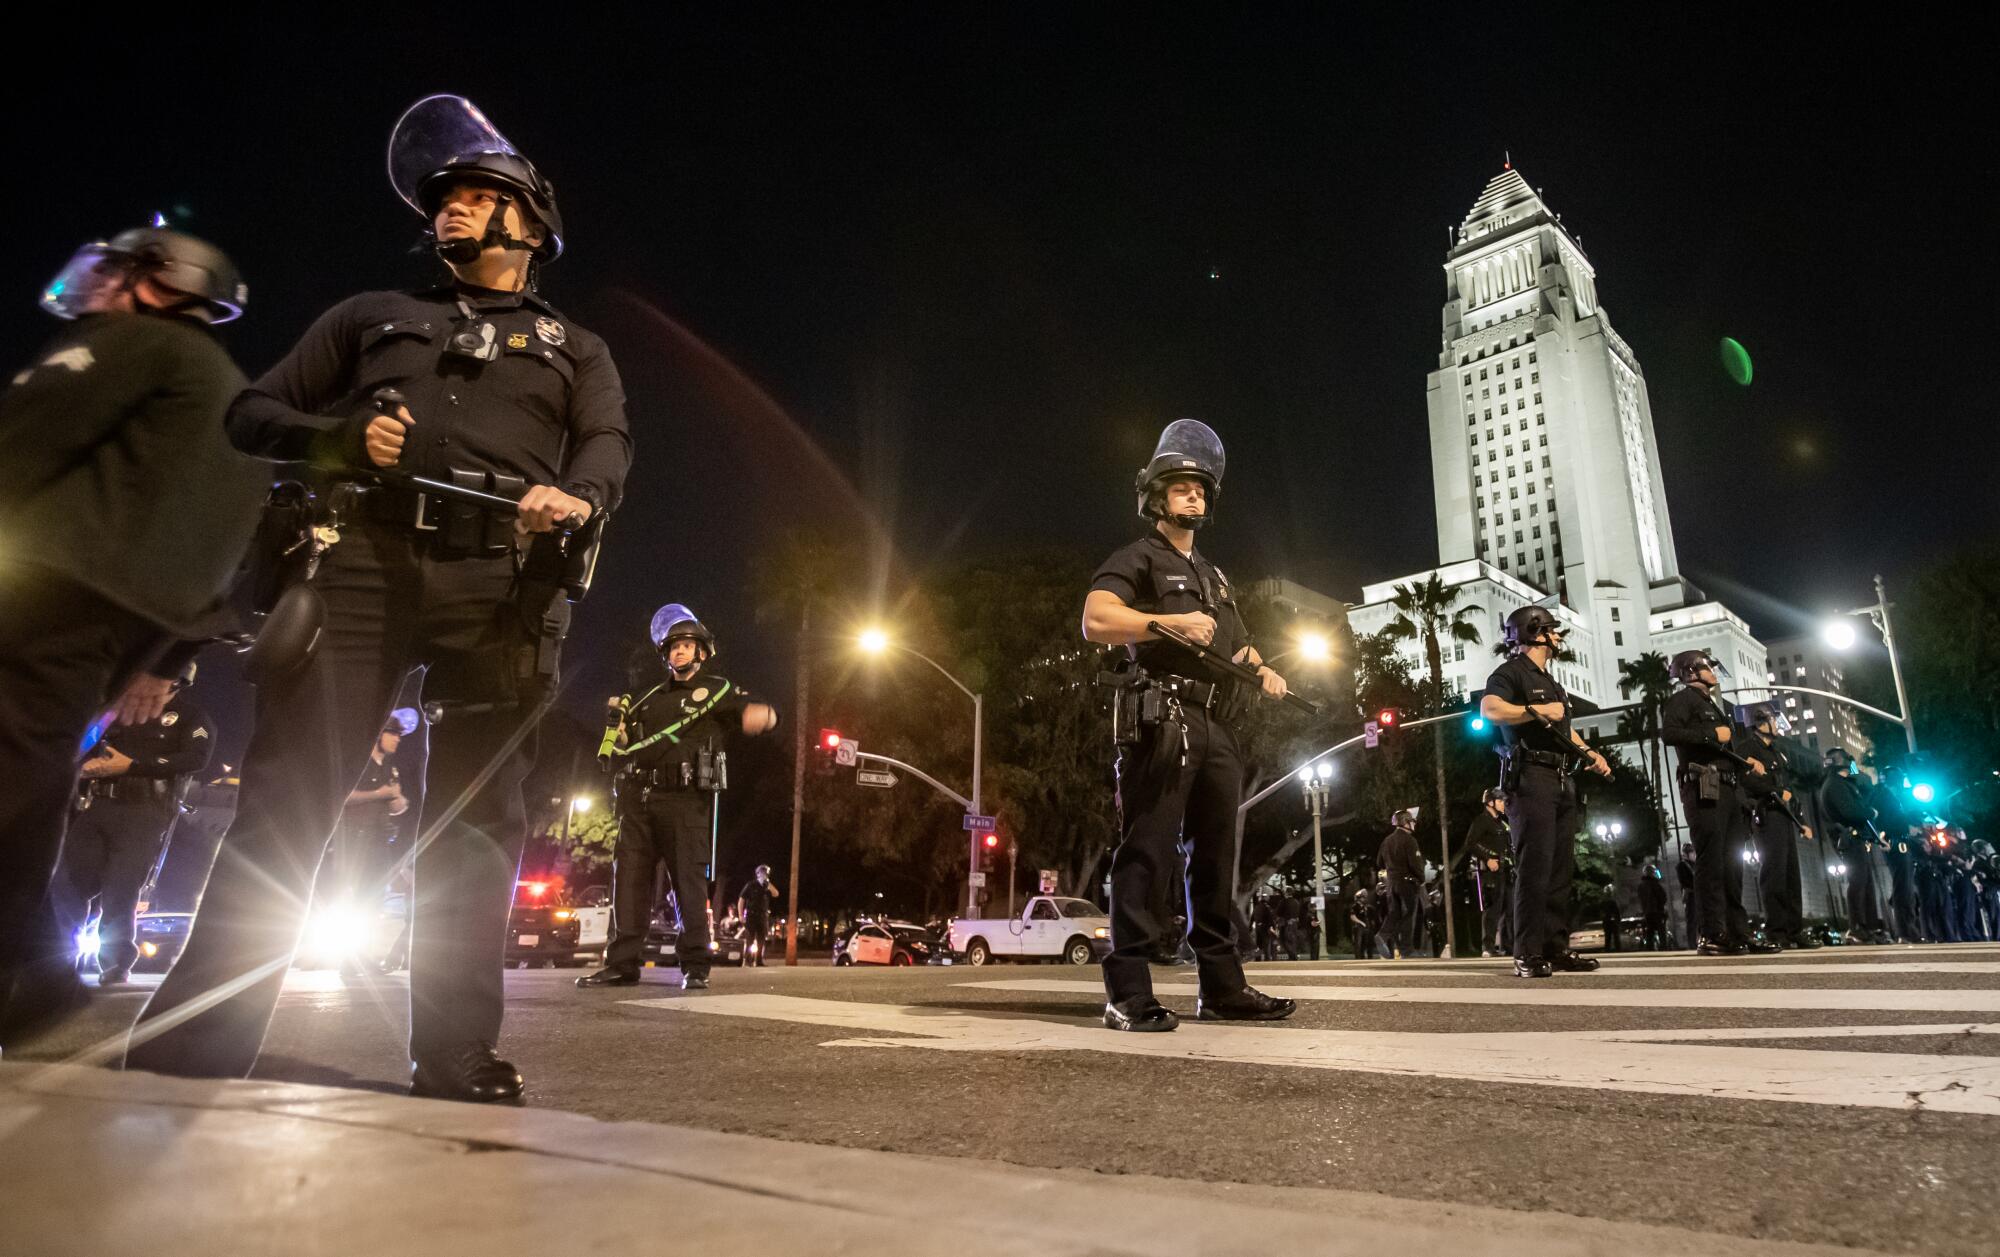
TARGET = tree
x,y
1948,638
1647,677
1429,613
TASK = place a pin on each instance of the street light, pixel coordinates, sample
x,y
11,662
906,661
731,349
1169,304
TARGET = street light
x,y
1315,778
1311,646
1839,634
580,804
876,641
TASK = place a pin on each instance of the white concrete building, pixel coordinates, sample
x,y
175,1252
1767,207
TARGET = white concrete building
x,y
1806,662
1467,665
1544,462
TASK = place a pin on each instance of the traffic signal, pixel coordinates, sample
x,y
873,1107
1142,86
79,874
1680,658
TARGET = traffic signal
x,y
1388,717
989,851
1384,721
824,750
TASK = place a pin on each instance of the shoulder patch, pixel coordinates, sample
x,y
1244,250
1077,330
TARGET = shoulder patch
x,y
550,331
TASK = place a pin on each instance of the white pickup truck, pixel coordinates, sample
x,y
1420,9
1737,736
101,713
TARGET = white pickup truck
x,y
1050,927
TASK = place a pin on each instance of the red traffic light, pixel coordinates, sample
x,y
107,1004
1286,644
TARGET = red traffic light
x,y
1387,717
830,739
991,840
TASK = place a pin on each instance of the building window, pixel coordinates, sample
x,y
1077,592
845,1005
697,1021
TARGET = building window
x,y
1473,439
1542,441
1614,615
1488,416
1485,394
1531,355
1506,429
1468,379
1482,501
1538,530
1512,493
1503,562
1531,486
1538,554
1545,462
1538,399
1534,508
1482,373
1617,637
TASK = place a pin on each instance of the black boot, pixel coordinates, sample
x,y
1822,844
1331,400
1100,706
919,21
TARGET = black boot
x,y
1571,962
694,980
1761,947
1531,967
474,1074
1248,1004
1141,1013
610,975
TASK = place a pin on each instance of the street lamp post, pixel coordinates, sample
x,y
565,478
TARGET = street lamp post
x,y
1314,778
875,641
1840,636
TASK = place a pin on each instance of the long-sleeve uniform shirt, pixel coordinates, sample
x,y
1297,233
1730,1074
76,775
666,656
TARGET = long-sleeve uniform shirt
x,y
1688,722
1399,857
1150,575
177,744
115,471
548,408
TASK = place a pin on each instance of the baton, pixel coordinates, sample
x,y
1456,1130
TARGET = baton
x,y
1223,663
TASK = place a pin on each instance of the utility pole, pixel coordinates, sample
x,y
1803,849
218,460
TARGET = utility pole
x,y
799,723
1880,614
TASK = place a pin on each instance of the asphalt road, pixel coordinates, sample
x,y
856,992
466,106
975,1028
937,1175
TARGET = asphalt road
x,y
1846,1096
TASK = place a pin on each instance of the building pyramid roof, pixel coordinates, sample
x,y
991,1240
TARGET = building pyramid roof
x,y
1507,195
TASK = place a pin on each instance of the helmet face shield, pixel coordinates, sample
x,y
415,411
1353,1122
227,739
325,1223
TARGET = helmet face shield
x,y
87,281
445,136
1187,447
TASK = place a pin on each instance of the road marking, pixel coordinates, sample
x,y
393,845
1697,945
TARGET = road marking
x,y
1604,1060
1837,956
1419,969
1542,995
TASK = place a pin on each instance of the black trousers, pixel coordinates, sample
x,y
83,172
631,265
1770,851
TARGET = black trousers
x,y
64,654
1863,910
1169,792
391,606
1721,834
109,850
1405,899
670,828
1496,905
1778,873
1903,899
1542,815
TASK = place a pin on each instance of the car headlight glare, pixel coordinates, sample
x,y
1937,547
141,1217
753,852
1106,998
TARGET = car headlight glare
x,y
149,949
1101,932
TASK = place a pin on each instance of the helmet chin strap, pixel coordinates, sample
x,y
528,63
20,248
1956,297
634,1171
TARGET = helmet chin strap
x,y
1193,523
464,252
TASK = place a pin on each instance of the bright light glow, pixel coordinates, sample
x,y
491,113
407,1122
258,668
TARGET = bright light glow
x,y
1838,634
1306,774
1478,723
829,739
992,841
873,641
1325,769
1315,647
1922,792
1617,827
87,943
563,914
537,889
334,932
580,804
1749,857
149,950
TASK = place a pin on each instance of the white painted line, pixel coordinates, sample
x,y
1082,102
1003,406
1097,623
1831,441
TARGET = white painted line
x,y
1598,1060
1835,956
1527,994
1702,969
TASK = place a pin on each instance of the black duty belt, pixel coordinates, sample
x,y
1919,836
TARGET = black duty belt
x,y
1542,759
137,790
427,514
1190,692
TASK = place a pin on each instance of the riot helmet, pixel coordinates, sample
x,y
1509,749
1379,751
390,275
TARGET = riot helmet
x,y
402,722
1750,715
1493,794
1187,447
443,139
1687,665
207,281
675,620
1530,626
1404,818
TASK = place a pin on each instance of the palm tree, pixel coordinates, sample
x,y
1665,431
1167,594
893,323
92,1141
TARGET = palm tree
x,y
1427,613
1647,676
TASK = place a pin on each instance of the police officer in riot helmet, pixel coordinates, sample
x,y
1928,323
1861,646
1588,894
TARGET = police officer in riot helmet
x,y
666,748
1540,752
124,515
1180,767
760,895
1777,819
481,383
1715,800
127,803
1843,802
1488,844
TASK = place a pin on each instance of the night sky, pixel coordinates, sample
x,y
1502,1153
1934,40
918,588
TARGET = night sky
x,y
954,270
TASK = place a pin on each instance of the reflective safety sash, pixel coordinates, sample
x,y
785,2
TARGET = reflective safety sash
x,y
669,732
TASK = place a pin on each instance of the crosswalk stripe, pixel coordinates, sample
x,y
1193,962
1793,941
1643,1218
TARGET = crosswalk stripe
x,y
1418,969
1548,995
1628,1061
